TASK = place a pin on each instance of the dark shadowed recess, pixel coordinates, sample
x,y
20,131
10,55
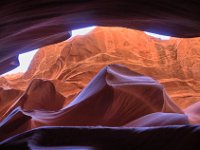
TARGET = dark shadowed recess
x,y
26,25
104,138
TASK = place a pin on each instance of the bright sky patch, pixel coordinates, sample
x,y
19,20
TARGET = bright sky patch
x,y
25,58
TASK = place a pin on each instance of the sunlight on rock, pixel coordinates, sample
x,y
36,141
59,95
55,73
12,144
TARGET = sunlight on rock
x,y
25,58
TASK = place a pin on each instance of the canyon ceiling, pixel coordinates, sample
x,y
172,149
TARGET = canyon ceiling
x,y
26,25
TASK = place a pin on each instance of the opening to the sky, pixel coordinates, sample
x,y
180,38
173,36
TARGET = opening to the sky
x,y
25,58
162,37
82,31
24,61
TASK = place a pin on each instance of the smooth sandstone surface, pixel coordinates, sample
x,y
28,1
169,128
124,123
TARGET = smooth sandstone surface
x,y
70,65
112,77
115,97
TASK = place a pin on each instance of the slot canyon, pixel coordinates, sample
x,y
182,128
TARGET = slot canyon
x,y
113,88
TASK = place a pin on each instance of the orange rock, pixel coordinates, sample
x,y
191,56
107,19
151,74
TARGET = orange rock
x,y
71,64
116,96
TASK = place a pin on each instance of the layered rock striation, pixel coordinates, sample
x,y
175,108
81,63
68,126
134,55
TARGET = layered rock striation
x,y
145,82
70,65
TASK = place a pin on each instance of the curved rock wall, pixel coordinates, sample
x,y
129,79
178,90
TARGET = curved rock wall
x,y
71,64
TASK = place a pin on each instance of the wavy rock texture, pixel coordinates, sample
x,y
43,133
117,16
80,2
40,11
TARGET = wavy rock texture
x,y
174,63
65,84
27,25
116,96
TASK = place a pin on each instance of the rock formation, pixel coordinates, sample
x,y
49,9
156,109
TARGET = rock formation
x,y
27,25
116,96
70,65
112,77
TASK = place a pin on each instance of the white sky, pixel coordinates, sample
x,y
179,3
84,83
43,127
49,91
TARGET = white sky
x,y
82,31
162,37
25,58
